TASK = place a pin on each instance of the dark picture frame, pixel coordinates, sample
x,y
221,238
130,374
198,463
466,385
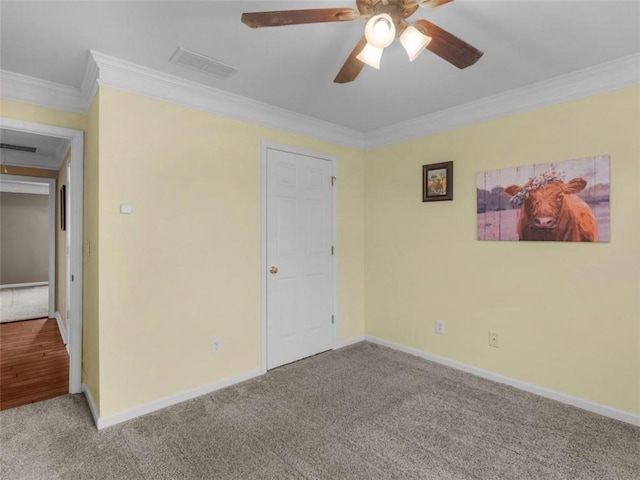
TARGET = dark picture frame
x,y
437,182
63,207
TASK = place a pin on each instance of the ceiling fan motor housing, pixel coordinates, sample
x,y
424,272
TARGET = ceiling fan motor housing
x,y
397,9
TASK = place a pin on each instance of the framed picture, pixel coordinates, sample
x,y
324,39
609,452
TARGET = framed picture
x,y
437,182
565,201
63,207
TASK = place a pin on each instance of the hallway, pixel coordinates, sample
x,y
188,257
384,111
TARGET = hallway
x,y
34,364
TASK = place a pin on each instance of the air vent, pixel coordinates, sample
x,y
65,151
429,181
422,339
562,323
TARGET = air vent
x,y
201,63
19,148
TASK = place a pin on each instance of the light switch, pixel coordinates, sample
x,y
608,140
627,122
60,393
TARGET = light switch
x,y
126,209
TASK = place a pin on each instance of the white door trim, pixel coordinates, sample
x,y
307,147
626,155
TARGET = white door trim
x,y
263,248
67,252
76,142
25,182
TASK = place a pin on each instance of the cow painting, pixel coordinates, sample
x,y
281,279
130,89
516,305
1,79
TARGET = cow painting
x,y
437,185
551,210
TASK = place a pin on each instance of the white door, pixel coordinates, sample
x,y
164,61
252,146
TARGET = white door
x,y
299,256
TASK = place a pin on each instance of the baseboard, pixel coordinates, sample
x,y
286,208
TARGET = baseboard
x,y
594,407
349,341
63,330
91,403
24,285
104,422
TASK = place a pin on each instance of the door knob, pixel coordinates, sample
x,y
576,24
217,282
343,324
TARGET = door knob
x,y
273,270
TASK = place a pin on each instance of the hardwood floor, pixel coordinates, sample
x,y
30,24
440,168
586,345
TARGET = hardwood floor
x,y
34,364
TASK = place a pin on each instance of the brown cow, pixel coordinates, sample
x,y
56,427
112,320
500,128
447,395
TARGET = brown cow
x,y
437,185
551,210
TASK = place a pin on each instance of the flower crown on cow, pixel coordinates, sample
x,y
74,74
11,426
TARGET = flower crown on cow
x,y
534,183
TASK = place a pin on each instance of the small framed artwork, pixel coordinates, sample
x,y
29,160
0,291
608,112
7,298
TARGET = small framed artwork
x,y
437,182
63,207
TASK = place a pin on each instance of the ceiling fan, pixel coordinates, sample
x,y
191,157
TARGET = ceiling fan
x,y
385,19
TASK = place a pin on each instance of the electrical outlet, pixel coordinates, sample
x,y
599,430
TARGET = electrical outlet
x,y
217,346
493,339
440,327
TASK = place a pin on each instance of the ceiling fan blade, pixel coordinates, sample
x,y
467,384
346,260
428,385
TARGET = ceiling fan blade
x,y
297,17
448,46
352,67
433,3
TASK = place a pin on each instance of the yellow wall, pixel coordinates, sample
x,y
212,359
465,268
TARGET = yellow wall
x,y
28,172
568,315
161,284
184,268
61,245
33,113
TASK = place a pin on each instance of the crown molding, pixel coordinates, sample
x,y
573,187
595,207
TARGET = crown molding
x,y
605,77
109,71
16,186
89,83
35,91
27,159
126,76
61,152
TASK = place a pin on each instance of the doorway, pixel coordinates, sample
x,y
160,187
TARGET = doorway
x,y
27,247
298,254
73,140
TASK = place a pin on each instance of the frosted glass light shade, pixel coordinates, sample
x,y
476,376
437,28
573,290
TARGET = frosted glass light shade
x,y
370,55
380,30
414,42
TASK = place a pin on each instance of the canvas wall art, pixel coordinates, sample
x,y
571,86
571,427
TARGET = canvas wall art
x,y
564,201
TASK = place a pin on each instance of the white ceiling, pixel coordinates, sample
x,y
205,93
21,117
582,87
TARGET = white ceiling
x,y
293,67
50,151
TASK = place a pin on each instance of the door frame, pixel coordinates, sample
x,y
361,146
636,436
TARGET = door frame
x,y
265,147
21,183
76,143
67,239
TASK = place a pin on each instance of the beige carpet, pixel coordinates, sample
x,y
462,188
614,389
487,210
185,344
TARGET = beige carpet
x,y
363,412
24,303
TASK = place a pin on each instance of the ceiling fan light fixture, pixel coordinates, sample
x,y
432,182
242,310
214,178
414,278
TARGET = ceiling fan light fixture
x,y
414,42
380,30
370,55
384,19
